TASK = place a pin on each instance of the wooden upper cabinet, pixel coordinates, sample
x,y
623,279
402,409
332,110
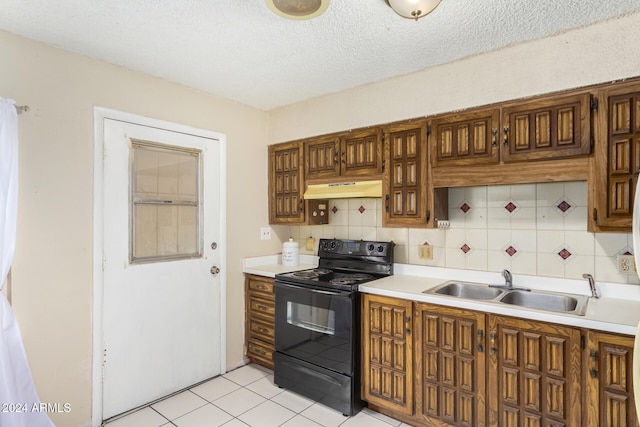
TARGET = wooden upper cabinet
x,y
361,152
547,128
387,361
468,138
322,158
356,153
609,393
286,180
534,373
617,159
405,187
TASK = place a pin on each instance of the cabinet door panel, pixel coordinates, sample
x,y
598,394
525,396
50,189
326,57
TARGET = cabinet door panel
x,y
405,186
361,153
387,353
322,158
534,372
450,370
546,129
609,383
285,183
617,159
468,138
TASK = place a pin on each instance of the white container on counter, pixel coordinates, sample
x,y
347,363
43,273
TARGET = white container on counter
x,y
290,253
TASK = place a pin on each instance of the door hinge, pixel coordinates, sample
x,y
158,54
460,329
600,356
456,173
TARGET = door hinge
x,y
594,103
428,130
384,163
582,342
104,361
104,262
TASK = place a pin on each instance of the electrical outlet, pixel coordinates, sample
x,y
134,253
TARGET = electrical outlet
x,y
425,252
626,264
265,233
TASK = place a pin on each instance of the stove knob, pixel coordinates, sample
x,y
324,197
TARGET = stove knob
x,y
371,247
333,244
380,248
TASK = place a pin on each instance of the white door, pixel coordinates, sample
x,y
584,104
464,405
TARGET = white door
x,y
162,230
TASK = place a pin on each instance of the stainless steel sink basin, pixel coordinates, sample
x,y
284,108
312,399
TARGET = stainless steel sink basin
x,y
476,291
537,300
563,303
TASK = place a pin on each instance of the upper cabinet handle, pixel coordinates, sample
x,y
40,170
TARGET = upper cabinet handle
x,y
505,137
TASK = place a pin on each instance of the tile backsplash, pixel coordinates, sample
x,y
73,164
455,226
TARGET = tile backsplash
x,y
533,229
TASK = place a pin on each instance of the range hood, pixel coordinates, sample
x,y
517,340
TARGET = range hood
x,y
344,190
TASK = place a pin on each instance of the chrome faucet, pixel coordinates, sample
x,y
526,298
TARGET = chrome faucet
x,y
592,285
508,279
508,282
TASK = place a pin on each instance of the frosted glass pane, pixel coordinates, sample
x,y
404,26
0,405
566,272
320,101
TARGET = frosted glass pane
x,y
165,203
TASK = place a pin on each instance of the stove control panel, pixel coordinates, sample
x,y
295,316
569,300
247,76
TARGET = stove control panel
x,y
354,247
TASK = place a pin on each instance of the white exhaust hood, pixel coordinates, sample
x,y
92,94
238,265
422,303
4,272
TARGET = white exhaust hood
x,y
344,190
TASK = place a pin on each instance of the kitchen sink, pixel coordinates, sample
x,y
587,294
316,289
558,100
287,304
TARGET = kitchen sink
x,y
576,304
466,290
537,300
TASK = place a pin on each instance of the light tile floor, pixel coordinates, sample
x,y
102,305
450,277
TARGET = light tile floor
x,y
245,397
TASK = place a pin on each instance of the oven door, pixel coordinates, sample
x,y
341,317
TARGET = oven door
x,y
316,326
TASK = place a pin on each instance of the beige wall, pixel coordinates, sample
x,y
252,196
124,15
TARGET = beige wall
x,y
52,271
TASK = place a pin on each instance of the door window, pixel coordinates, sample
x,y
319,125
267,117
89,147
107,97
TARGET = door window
x,y
165,202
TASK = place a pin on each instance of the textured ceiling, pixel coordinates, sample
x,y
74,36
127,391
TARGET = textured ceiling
x,y
240,50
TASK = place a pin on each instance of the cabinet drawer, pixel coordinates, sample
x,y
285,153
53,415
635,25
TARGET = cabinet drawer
x,y
261,286
260,352
261,330
261,306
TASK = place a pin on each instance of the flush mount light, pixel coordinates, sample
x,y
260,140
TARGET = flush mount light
x,y
298,9
413,9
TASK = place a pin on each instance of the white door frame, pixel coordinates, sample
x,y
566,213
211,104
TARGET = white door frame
x,y
99,115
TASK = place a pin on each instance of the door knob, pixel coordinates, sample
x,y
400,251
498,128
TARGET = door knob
x,y
214,246
214,270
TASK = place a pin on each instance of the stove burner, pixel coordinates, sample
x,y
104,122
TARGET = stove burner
x,y
359,276
343,281
310,274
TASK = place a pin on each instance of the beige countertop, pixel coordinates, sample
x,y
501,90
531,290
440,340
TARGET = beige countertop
x,y
618,309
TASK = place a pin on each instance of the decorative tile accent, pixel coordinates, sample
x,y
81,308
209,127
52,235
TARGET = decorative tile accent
x,y
361,209
334,209
565,254
465,248
511,207
564,206
511,251
465,207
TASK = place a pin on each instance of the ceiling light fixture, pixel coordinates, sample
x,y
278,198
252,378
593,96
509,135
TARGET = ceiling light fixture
x,y
298,9
413,9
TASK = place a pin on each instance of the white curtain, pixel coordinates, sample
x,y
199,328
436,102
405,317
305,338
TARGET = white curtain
x,y
20,404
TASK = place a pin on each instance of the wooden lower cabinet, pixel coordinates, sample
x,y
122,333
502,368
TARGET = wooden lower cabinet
x,y
609,388
387,364
534,373
450,366
259,319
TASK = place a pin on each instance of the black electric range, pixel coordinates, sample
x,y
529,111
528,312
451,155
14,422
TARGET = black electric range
x,y
317,322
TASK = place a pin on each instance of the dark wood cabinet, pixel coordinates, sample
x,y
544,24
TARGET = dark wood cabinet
x,y
617,157
548,128
409,198
361,153
322,158
387,363
609,382
450,366
466,138
259,319
534,373
286,183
